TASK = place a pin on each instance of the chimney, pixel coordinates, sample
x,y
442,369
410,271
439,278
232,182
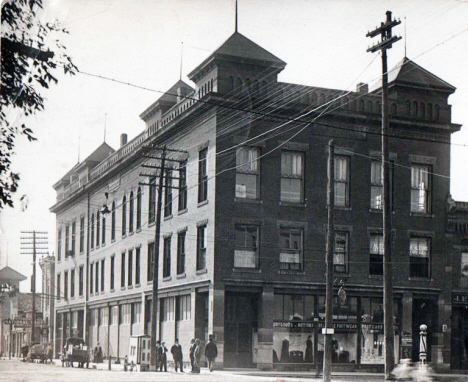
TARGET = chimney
x,y
123,139
362,88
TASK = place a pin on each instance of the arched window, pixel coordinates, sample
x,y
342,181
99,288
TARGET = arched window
x,y
124,215
429,111
422,110
407,107
103,239
130,213
138,211
415,109
113,221
98,228
92,231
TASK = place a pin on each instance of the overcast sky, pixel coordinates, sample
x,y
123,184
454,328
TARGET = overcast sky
x,y
139,41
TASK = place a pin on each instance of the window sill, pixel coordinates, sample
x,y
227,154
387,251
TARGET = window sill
x,y
291,272
180,212
112,240
246,200
376,277
131,233
201,204
167,278
293,204
122,288
343,208
112,290
137,285
168,217
149,282
422,214
201,271
420,279
102,292
247,270
151,224
181,276
138,230
124,236
130,287
81,253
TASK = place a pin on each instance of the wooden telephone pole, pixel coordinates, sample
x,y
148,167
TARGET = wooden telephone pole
x,y
39,246
161,156
385,31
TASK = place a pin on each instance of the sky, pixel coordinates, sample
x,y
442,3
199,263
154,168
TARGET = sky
x,y
139,42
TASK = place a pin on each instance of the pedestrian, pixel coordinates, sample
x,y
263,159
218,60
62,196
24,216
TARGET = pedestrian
x,y
49,352
211,352
176,351
126,363
192,358
197,356
162,350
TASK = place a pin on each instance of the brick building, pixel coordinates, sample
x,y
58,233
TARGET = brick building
x,y
243,237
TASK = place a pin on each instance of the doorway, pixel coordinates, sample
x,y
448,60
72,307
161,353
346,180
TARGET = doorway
x,y
424,312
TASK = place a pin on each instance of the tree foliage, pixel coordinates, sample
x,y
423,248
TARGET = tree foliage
x,y
32,55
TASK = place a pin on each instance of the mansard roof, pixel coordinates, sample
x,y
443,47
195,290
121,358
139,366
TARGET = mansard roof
x,y
240,47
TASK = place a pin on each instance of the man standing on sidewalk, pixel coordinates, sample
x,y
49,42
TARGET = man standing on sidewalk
x,y
211,352
176,351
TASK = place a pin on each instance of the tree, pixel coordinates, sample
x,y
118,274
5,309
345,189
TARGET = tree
x,y
31,56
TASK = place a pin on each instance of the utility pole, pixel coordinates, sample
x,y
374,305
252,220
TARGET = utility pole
x,y
38,240
328,331
157,234
385,31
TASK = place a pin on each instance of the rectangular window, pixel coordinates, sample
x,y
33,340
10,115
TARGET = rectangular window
x,y
96,265
167,257
67,240
103,268
82,234
167,309
138,211
113,221
246,250
130,212
150,261
420,188
104,316
81,281
247,173
340,255
59,245
137,266
291,252
376,251
202,176
201,247
92,232
168,193
98,228
72,283
125,314
114,318
183,186
420,249
292,177
181,253
91,279
152,201
112,273
183,311
65,285
73,238
124,216
376,185
341,181
122,270
130,268
59,292
103,239
136,313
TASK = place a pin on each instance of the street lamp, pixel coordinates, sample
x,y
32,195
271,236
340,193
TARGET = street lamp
x,y
105,209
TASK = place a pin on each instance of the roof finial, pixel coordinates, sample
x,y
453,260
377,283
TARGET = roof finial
x,y
236,19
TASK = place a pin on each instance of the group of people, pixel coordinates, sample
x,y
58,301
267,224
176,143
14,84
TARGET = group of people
x,y
211,352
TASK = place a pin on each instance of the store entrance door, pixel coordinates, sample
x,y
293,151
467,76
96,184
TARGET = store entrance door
x,y
424,312
240,317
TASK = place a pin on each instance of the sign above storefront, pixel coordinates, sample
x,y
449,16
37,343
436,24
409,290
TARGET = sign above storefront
x,y
460,299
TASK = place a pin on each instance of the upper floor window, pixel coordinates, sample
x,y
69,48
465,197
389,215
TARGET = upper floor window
x,y
376,251
168,193
201,247
124,215
152,201
138,209
103,238
98,228
113,221
103,271
91,278
341,254
130,213
59,244
112,272
137,266
247,173
130,268
341,181
183,186
59,292
72,283
202,176
122,270
65,285
150,262
420,188
67,240
420,248
292,176
82,233
181,253
73,237
81,280
291,248
167,257
92,231
246,246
